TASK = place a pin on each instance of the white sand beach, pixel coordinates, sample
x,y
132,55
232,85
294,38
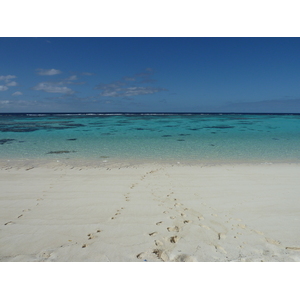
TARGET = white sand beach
x,y
150,212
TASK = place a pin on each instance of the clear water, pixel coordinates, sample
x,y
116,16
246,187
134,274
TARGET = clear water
x,y
151,137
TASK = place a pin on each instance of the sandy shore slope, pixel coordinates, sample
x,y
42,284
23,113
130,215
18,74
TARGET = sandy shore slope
x,y
150,213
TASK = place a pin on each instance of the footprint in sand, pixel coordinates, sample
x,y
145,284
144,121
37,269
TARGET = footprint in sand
x,y
46,255
20,216
221,236
243,226
140,255
274,242
184,258
9,223
174,239
157,252
220,249
160,254
158,243
153,233
91,236
158,223
293,248
174,229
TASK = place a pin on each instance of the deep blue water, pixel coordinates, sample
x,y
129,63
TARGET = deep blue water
x,y
151,137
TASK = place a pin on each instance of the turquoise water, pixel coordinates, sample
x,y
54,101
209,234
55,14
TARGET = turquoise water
x,y
151,137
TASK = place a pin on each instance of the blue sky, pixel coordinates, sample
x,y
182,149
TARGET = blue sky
x,y
149,74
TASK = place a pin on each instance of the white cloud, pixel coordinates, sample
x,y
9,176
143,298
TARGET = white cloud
x,y
48,71
128,87
7,77
52,87
4,102
110,86
109,94
11,83
71,80
131,91
73,77
17,94
3,88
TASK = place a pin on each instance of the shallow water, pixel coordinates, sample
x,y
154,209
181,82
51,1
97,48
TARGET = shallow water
x,y
151,137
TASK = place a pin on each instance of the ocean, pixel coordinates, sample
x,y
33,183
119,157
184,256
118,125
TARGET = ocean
x,y
151,137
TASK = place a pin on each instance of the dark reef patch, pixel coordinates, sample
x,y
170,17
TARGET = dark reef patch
x,y
246,123
32,126
220,127
166,135
4,141
17,129
60,152
74,125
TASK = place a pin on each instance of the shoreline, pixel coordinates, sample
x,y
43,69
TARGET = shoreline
x,y
153,212
119,163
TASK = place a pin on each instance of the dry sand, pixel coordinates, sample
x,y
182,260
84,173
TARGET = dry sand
x,y
150,212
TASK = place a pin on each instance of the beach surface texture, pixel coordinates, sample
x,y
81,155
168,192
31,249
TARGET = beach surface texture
x,y
150,212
